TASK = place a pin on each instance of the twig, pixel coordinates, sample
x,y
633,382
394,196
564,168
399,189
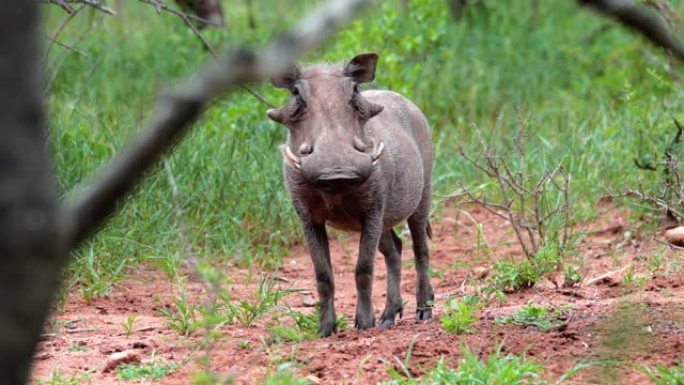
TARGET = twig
x,y
88,208
59,29
66,46
187,19
640,19
606,275
60,3
95,4
674,247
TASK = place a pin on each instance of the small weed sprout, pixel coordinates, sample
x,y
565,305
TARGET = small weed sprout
x,y
540,317
247,313
245,345
306,326
459,315
512,276
284,376
129,325
181,315
571,276
57,378
145,371
79,347
497,369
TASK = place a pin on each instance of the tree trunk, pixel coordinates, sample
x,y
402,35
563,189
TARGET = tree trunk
x,y
31,248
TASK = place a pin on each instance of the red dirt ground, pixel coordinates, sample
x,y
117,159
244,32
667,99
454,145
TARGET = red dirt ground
x,y
611,319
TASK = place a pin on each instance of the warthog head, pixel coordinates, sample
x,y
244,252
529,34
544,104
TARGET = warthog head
x,y
326,116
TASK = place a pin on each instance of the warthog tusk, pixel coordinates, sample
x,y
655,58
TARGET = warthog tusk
x,y
292,158
377,152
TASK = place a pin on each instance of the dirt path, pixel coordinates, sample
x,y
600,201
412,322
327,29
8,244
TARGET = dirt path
x,y
610,320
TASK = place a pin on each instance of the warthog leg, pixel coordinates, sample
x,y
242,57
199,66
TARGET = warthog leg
x,y
317,240
371,229
390,247
418,224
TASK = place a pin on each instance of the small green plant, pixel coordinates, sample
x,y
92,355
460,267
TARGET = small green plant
x,y
245,345
247,313
539,317
283,376
663,375
632,278
181,315
79,347
498,369
459,315
129,325
571,275
510,276
57,378
145,371
306,326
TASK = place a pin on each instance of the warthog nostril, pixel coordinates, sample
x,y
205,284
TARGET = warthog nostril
x,y
305,149
337,181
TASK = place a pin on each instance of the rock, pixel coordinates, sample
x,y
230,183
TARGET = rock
x,y
480,272
313,379
309,300
125,357
675,236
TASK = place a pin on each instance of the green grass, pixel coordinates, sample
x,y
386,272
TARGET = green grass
x,y
540,317
458,315
305,326
498,368
592,95
144,371
664,375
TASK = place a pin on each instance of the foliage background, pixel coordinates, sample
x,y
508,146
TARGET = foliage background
x,y
592,96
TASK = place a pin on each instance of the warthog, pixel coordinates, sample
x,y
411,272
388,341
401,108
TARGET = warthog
x,y
358,161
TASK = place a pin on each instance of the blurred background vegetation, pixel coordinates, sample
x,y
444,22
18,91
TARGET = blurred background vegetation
x,y
591,95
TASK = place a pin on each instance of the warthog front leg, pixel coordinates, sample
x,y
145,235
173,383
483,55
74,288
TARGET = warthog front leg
x,y
371,230
317,239
390,247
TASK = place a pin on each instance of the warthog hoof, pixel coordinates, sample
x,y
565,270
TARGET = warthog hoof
x,y
327,330
424,313
363,323
386,324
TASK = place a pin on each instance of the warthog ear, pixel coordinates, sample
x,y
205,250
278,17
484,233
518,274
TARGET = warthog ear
x,y
362,67
288,78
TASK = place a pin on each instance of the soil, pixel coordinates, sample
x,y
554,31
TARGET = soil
x,y
618,314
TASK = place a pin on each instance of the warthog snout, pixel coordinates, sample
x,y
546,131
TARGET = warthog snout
x,y
332,180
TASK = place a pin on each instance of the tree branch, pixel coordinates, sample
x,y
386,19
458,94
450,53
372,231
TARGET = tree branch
x,y
640,19
89,208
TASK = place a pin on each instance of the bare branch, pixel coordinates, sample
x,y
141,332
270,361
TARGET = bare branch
x,y
66,46
95,4
187,18
60,3
640,19
176,112
59,29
